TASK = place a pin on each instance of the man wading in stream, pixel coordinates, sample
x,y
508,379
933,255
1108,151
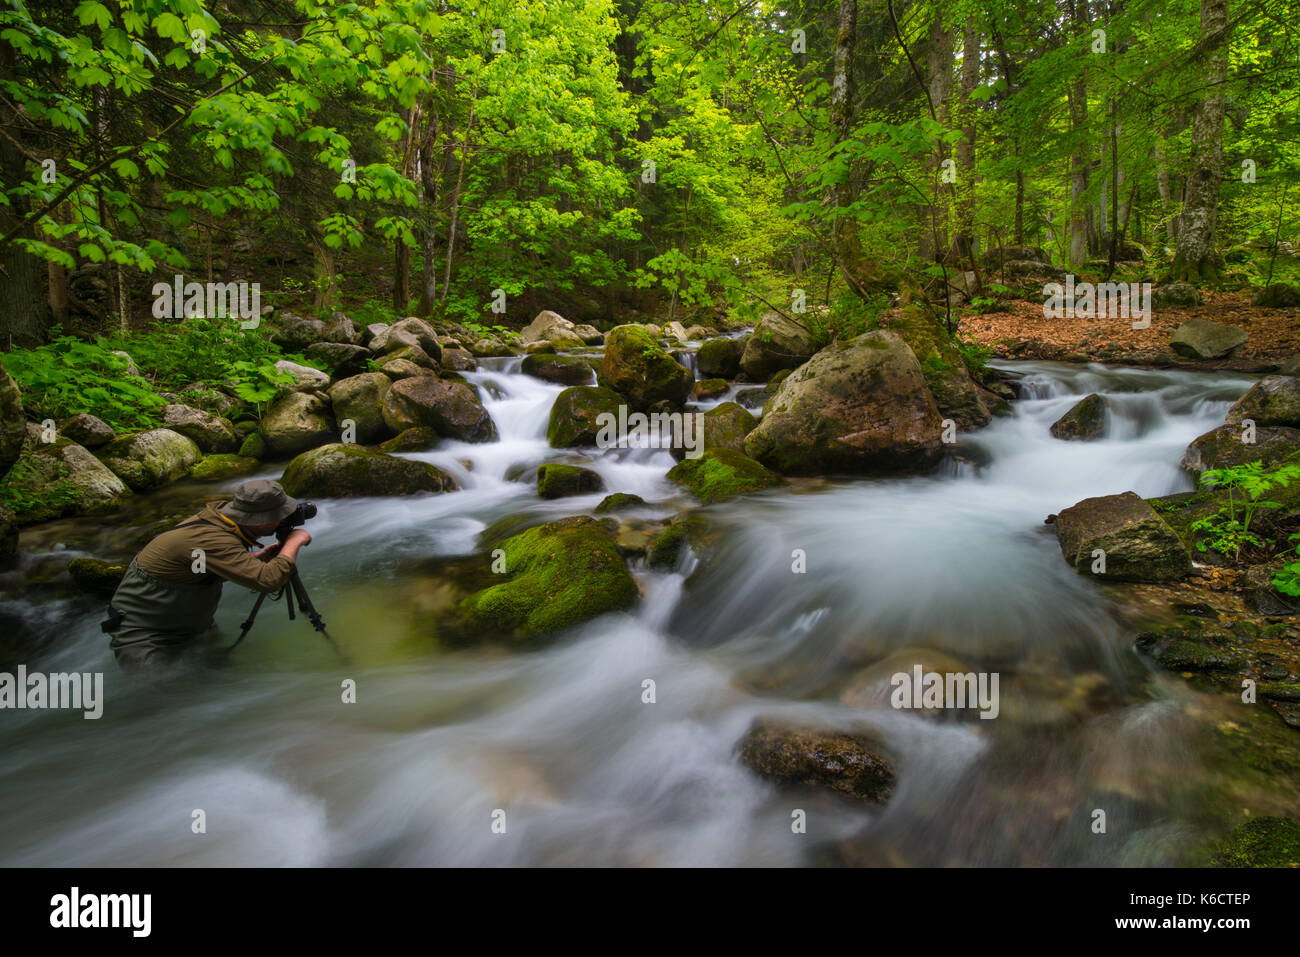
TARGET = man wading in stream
x,y
170,592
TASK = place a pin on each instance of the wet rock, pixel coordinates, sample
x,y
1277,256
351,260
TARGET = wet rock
x,y
617,502
857,407
305,378
1273,400
753,398
1138,544
86,430
449,408
96,576
561,574
725,427
636,367
489,347
776,343
560,481
949,381
360,398
1203,339
633,541
575,414
565,370
295,423
339,470
1279,295
720,474
411,355
551,327
1180,294
209,432
150,460
1261,842
398,368
254,446
419,439
589,334
1223,447
1085,421
1178,649
675,330
62,478
216,468
706,389
458,360
871,687
720,357
848,764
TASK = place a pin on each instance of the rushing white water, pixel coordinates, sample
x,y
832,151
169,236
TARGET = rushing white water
x,y
958,564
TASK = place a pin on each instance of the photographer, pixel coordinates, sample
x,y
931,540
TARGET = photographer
x,y
171,590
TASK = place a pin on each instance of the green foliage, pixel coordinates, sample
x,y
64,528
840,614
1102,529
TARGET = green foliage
x,y
848,317
975,354
1228,529
30,491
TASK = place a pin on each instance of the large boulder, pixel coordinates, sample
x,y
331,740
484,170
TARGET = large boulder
x,y
343,330
726,426
1224,447
448,407
942,365
62,478
575,414
87,430
1138,544
589,334
720,357
150,460
294,333
849,764
304,378
565,370
341,470
859,407
719,474
777,343
1279,295
219,468
636,367
551,327
209,432
560,574
996,255
360,398
675,330
1182,294
13,427
1273,400
555,480
295,423
1203,339
1085,420
339,357
407,333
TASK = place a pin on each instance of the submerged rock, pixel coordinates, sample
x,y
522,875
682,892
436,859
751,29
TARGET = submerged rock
x,y
339,471
637,367
719,474
561,574
1085,421
856,407
1137,544
848,764
96,576
150,460
1203,339
617,502
560,481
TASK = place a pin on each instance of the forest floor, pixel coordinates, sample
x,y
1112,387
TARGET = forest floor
x,y
1024,333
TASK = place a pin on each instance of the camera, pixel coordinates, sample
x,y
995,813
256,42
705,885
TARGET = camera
x,y
298,516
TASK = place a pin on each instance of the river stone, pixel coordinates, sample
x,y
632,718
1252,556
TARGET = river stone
x,y
675,330
150,460
13,426
341,329
776,343
720,357
62,478
550,326
574,415
1223,447
361,399
218,468
706,389
407,333
1273,400
726,426
1203,339
561,574
340,470
560,481
848,764
857,407
396,369
589,334
305,378
949,381
458,360
372,330
872,687
636,367
1279,295
1182,294
490,347
720,474
339,357
1267,841
209,432
412,355
419,439
617,502
1085,421
86,430
96,576
294,333
565,370
1138,544
297,422
449,408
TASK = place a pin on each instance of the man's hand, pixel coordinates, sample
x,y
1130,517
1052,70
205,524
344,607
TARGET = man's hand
x,y
266,554
297,539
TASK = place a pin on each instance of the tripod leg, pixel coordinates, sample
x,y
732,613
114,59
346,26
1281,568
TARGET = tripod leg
x,y
309,609
247,624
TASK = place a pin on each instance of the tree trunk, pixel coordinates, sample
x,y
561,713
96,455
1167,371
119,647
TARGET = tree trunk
x,y
845,236
1197,258
1079,159
964,243
25,317
934,226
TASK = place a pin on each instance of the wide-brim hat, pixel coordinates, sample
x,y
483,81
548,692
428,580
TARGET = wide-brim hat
x,y
259,502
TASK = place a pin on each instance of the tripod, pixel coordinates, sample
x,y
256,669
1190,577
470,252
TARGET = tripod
x,y
299,592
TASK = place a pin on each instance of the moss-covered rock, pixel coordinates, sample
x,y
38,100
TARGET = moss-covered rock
x,y
853,765
253,447
360,398
666,550
575,414
636,367
87,430
560,481
450,408
295,423
1263,842
946,375
726,426
776,343
706,389
211,433
617,502
1203,339
564,370
719,474
1138,544
1223,447
339,470
560,575
1279,295
96,576
216,468
419,439
1085,421
1273,400
61,478
150,460
720,357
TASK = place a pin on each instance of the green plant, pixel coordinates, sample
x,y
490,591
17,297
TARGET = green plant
x,y
975,354
1229,528
1287,579
32,491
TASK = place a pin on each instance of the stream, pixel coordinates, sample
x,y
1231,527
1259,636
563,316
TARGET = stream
x,y
956,566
